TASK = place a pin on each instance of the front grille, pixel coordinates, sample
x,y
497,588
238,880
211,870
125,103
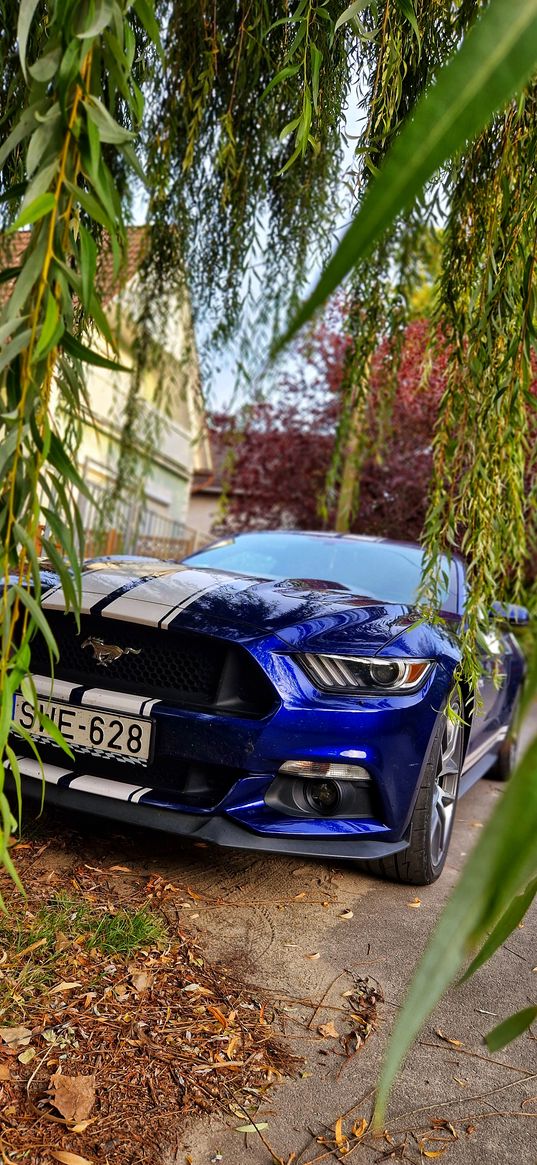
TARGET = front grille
x,y
177,667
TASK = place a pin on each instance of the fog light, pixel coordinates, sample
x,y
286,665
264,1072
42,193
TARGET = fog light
x,y
321,769
323,796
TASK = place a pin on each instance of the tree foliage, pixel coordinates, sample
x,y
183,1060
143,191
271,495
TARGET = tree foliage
x,y
280,449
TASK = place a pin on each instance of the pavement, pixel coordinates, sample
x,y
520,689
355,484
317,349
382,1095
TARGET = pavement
x,y
267,915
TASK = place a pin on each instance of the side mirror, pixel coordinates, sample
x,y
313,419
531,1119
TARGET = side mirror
x,y
511,613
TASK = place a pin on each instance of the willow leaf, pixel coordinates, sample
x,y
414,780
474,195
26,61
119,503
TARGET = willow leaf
x,y
500,867
495,60
507,1031
37,209
505,926
38,617
81,352
26,14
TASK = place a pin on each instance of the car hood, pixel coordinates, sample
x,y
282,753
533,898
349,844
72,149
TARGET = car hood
x,y
303,613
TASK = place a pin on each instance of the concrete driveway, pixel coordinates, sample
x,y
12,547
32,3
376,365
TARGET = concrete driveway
x,y
267,916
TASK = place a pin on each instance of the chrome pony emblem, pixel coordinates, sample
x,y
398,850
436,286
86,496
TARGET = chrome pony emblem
x,y
106,653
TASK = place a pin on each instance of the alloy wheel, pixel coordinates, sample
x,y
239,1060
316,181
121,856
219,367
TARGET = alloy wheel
x,y
446,786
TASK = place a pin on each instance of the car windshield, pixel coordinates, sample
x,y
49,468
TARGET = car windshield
x,y
386,571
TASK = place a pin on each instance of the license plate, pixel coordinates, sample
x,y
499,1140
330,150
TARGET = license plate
x,y
90,729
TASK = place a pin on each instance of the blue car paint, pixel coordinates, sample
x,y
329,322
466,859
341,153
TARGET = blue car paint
x,y
389,735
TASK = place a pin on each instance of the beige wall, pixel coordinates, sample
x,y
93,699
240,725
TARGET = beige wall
x,y
203,512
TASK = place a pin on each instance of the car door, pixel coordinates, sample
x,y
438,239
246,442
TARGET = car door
x,y
496,659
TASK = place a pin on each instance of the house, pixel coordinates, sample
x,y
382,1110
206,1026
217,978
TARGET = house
x,y
208,488
167,439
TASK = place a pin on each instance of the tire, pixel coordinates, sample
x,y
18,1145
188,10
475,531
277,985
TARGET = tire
x,y
434,812
505,763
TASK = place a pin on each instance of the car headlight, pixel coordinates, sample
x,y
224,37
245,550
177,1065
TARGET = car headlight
x,y
349,673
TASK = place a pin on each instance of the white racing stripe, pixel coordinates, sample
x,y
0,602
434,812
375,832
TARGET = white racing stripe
x,y
153,602
218,582
54,689
51,773
139,794
85,783
105,788
96,585
116,701
98,582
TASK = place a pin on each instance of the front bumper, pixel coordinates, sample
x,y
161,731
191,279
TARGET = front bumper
x,y
217,829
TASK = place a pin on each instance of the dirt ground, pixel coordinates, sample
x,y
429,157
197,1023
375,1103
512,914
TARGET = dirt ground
x,y
307,932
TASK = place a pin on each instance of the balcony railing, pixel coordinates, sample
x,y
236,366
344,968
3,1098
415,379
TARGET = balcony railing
x,y
135,529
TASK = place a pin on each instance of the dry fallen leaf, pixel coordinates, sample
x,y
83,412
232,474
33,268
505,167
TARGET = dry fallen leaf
x,y
73,1096
64,987
251,1128
347,914
340,1138
68,1158
448,1039
440,1122
82,1125
5,1074
141,981
359,1127
298,897
316,955
16,1035
27,1056
328,1031
120,869
415,904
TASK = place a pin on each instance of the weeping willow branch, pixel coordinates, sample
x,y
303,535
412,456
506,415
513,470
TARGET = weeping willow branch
x,y
57,150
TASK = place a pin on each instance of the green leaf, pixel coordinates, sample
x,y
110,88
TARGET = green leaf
x,y
92,207
55,733
45,68
38,617
408,10
23,537
26,14
37,209
129,153
513,915
51,329
145,13
80,352
60,460
24,126
46,137
30,272
68,70
495,60
507,1031
350,13
500,867
7,449
62,570
88,265
14,348
101,17
283,75
109,130
40,184
316,62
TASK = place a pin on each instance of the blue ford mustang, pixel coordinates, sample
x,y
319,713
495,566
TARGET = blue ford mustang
x,y
275,691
